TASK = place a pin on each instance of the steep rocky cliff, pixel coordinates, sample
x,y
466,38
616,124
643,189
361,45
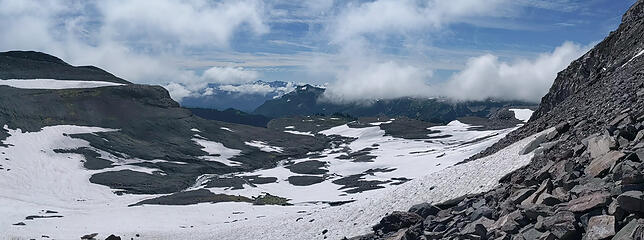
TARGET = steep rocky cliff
x,y
585,180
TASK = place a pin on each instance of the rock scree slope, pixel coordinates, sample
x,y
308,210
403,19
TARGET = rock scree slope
x,y
585,181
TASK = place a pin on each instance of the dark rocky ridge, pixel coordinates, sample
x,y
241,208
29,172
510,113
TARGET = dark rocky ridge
x,y
150,126
32,65
587,181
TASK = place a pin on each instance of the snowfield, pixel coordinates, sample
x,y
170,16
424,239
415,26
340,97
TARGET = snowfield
x,y
56,186
55,84
357,218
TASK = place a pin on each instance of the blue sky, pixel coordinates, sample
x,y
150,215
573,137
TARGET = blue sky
x,y
465,49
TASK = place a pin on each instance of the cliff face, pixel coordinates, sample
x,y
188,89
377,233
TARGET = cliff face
x,y
585,180
603,60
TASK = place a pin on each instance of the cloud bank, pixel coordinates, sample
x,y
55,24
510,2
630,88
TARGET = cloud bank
x,y
488,77
136,40
365,50
229,75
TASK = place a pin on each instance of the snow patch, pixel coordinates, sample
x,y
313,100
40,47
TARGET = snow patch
x,y
522,114
633,58
218,152
55,84
299,133
227,129
264,147
380,123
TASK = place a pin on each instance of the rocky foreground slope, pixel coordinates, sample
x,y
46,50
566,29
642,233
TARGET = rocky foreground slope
x,y
587,177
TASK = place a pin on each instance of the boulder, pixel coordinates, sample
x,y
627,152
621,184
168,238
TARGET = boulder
x,y
478,227
113,237
631,201
562,224
640,154
562,127
628,172
519,195
424,209
613,125
639,137
536,210
548,236
578,149
548,199
588,202
529,233
630,231
600,227
508,222
545,187
600,145
89,236
534,144
544,172
396,221
603,163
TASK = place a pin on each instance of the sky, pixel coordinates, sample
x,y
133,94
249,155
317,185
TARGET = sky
x,y
360,50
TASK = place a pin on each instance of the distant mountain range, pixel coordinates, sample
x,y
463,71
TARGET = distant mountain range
x,y
245,97
308,100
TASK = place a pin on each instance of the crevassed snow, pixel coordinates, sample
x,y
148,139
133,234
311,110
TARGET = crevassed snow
x,y
264,147
290,127
299,133
215,148
194,130
522,114
55,84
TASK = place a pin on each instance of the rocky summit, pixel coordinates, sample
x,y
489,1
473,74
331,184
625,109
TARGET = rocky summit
x,y
586,180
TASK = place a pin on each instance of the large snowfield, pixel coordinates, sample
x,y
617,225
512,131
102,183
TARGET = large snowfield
x,y
36,181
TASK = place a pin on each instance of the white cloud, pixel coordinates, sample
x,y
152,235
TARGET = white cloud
x,y
386,80
229,75
257,88
192,22
362,70
136,40
403,16
177,91
488,77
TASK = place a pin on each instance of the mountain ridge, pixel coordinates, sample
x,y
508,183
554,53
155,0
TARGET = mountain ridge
x,y
308,100
38,65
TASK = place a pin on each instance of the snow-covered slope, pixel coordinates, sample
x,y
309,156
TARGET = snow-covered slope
x,y
54,187
55,83
356,218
